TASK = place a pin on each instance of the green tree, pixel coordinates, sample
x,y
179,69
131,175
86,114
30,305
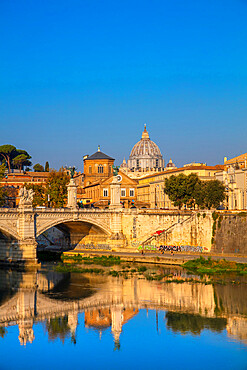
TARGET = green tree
x,y
190,191
38,168
193,182
7,151
47,167
199,194
214,194
26,162
180,189
19,161
2,190
56,188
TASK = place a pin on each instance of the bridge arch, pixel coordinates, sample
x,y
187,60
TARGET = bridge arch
x,y
103,228
8,232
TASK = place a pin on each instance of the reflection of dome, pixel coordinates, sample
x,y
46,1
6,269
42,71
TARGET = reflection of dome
x,y
145,154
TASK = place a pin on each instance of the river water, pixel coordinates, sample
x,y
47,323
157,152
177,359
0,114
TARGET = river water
x,y
52,320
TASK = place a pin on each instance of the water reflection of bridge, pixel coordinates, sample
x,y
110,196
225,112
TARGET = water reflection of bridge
x,y
111,302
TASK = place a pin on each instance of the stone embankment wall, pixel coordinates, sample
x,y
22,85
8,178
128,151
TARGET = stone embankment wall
x,y
230,235
181,228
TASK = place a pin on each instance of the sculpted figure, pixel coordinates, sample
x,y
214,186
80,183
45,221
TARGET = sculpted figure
x,y
26,196
71,171
115,170
30,194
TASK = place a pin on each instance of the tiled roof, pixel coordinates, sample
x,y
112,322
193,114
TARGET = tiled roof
x,y
99,155
240,158
217,167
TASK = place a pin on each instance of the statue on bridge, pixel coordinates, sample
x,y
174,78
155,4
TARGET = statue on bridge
x,y
115,170
71,171
26,197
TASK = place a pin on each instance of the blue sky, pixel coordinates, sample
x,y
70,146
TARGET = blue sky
x,y
78,73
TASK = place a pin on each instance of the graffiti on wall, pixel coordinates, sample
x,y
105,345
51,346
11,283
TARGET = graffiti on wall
x,y
174,248
92,246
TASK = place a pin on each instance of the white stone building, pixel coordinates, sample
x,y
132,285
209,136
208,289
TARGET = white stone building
x,y
234,177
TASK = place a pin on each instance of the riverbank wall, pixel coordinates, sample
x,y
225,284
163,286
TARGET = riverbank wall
x,y
229,233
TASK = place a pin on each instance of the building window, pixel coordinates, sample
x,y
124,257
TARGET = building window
x,y
157,163
90,169
105,192
137,163
100,169
132,192
123,192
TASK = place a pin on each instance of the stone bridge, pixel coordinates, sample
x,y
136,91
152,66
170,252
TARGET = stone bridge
x,y
105,229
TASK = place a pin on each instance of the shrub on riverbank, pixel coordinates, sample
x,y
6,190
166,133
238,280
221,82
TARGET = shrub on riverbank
x,y
72,268
97,260
209,266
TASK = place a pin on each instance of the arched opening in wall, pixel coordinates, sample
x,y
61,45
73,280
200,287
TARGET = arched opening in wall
x,y
71,234
9,247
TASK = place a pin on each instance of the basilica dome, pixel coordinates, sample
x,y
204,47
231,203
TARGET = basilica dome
x,y
145,155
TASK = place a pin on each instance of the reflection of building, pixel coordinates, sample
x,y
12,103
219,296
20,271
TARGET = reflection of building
x,y
145,157
25,307
151,187
26,334
116,317
115,301
237,328
234,177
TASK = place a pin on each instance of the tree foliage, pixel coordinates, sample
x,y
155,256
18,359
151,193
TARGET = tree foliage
x,y
47,167
38,168
40,194
2,190
56,188
214,194
25,162
14,158
191,191
19,161
180,189
6,151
